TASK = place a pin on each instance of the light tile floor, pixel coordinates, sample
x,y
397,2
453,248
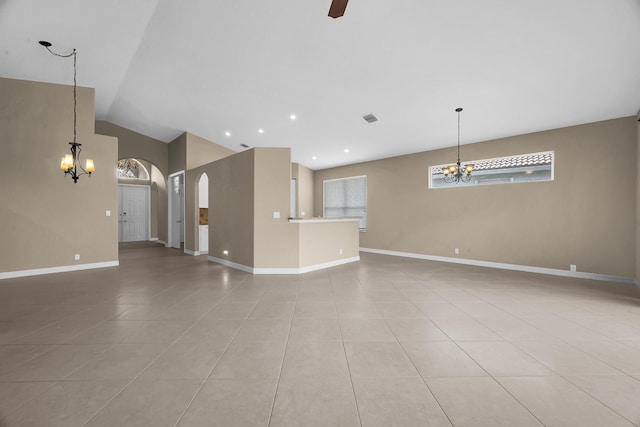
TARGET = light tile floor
x,y
167,339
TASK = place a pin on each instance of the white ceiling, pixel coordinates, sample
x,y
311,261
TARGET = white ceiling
x,y
162,67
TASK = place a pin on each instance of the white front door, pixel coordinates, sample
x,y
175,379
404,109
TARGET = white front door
x,y
176,215
133,213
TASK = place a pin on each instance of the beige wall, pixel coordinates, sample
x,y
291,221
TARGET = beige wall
x,y
231,206
275,240
154,154
245,189
159,205
323,242
638,200
178,154
583,217
136,145
45,218
304,196
201,151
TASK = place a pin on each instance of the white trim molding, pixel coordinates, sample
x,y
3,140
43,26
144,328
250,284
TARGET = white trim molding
x,y
286,270
504,266
195,253
61,269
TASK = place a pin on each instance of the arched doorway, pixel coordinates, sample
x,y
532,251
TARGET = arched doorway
x,y
140,189
203,209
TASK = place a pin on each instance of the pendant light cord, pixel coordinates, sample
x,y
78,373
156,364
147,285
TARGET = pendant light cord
x,y
75,87
458,136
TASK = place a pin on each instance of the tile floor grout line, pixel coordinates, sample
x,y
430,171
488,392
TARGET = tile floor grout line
x,y
344,350
555,372
151,363
215,364
424,381
284,356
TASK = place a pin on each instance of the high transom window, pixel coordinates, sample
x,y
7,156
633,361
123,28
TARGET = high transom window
x,y
131,169
503,170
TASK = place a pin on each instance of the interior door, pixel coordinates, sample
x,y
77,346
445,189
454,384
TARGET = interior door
x,y
133,215
177,210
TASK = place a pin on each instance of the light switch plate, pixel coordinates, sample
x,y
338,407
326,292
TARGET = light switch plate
x,y
276,215
107,213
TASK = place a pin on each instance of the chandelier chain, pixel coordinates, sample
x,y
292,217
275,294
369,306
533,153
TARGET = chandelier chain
x,y
70,163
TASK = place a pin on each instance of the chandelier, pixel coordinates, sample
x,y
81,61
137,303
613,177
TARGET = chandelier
x,y
456,173
128,168
70,162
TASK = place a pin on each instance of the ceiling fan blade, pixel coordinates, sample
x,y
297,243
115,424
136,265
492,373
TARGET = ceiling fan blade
x,y
337,8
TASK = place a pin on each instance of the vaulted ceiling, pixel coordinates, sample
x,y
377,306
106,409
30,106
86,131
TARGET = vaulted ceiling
x,y
162,67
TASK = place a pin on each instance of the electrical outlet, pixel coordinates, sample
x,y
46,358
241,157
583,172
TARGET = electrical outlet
x,y
340,251
77,257
456,251
572,267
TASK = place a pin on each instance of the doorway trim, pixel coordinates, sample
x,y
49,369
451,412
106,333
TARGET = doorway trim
x,y
148,187
170,195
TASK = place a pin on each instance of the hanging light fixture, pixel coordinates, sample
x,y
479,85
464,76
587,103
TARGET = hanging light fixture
x,y
70,162
456,173
128,168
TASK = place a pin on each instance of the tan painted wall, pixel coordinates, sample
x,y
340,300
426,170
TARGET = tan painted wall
x,y
304,196
231,206
584,217
159,205
276,242
321,242
45,218
149,151
638,200
201,151
136,145
178,154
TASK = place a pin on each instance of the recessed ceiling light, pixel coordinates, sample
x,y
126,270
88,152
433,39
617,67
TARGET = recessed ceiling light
x,y
314,158
292,117
346,150
227,133
260,130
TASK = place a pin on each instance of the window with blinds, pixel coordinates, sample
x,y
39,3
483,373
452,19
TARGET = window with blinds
x,y
346,197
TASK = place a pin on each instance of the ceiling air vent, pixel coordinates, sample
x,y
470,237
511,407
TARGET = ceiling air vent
x,y
244,146
370,118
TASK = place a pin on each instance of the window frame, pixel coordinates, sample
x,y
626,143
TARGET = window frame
x,y
366,196
458,185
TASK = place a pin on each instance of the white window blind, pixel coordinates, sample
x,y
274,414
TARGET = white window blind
x,y
346,197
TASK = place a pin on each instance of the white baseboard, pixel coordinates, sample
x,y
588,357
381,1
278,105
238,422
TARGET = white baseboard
x,y
292,270
504,266
62,269
161,242
153,239
231,264
195,253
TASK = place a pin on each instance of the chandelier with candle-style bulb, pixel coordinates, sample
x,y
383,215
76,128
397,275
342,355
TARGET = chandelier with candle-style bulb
x,y
458,173
71,162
